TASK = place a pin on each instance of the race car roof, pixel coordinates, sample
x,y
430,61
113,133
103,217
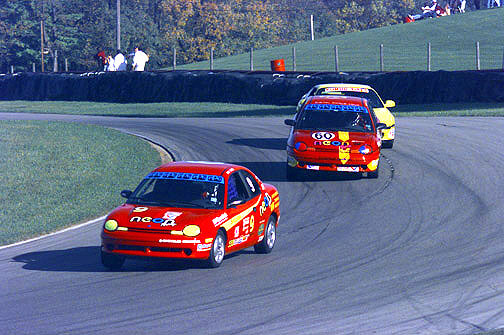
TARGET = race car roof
x,y
337,100
343,85
214,168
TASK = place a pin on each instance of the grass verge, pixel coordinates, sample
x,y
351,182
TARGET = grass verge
x,y
208,109
57,174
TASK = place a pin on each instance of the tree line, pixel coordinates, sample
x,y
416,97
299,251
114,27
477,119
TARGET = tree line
x,y
74,29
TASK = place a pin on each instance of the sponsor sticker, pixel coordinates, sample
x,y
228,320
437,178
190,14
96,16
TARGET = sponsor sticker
x,y
346,89
260,231
217,221
239,240
312,167
348,168
186,176
204,247
169,241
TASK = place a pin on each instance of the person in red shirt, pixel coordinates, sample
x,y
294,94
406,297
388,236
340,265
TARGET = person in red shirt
x,y
101,59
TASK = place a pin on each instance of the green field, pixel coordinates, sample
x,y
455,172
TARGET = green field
x,y
208,109
57,174
452,39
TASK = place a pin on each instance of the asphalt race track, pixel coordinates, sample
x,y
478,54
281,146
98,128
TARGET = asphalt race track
x,y
417,251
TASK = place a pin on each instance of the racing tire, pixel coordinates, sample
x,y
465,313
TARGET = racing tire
x,y
387,144
111,261
268,242
218,251
292,173
374,174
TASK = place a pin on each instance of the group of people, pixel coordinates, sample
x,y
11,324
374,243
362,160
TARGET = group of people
x,y
434,9
119,61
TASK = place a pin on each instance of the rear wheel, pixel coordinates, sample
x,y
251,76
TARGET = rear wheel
x,y
387,144
218,250
268,242
111,261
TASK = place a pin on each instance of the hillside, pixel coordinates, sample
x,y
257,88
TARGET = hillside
x,y
452,39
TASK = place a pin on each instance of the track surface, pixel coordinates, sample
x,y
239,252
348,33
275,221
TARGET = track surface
x,y
417,251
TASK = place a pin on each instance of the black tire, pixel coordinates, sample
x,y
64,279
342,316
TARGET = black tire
x,y
218,251
292,173
388,144
268,242
374,174
111,261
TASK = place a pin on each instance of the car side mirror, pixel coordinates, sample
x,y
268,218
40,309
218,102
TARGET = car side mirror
x,y
381,126
126,193
390,103
290,122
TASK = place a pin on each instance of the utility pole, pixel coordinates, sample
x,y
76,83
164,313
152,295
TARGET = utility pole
x,y
118,24
42,43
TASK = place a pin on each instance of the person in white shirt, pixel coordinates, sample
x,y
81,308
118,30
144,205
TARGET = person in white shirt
x,y
139,60
119,61
110,64
429,10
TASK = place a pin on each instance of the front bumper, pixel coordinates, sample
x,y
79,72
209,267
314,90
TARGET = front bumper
x,y
361,164
134,245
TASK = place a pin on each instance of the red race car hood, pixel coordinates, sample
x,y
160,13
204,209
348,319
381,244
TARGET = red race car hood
x,y
165,218
310,140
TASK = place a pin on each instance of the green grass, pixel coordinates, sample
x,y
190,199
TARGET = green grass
x,y
164,109
57,174
187,109
452,41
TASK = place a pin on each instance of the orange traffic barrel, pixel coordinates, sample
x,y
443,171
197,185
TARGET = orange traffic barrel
x,y
278,65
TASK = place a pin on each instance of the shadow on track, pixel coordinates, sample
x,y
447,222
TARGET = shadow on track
x,y
87,259
261,143
275,172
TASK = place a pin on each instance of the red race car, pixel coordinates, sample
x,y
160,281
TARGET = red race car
x,y
334,133
199,210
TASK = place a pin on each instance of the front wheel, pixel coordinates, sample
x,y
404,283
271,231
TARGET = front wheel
x,y
268,242
374,174
218,251
111,261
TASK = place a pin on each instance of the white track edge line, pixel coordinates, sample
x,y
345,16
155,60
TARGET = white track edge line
x,y
54,233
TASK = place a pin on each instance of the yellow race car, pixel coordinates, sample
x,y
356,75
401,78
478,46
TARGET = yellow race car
x,y
362,91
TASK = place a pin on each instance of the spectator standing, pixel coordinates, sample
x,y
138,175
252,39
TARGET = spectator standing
x,y
139,60
101,59
120,61
477,4
110,64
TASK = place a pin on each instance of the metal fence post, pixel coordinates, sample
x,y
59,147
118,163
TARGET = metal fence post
x,y
66,64
174,58
428,56
55,61
477,56
33,67
336,59
293,58
382,66
211,58
12,69
251,59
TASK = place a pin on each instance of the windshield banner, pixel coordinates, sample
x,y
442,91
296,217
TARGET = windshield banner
x,y
186,176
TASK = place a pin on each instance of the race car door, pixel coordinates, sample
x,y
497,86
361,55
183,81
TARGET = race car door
x,y
242,206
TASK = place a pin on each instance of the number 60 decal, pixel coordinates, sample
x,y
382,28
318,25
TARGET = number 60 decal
x,y
322,135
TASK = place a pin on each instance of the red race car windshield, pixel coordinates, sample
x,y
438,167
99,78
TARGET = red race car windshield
x,y
178,189
371,96
335,118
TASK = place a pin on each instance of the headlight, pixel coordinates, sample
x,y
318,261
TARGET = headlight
x,y
110,225
191,230
300,146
